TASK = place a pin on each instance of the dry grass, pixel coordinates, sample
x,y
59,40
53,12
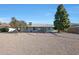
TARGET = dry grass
x,y
39,43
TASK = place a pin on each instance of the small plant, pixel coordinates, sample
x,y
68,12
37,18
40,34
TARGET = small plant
x,y
4,29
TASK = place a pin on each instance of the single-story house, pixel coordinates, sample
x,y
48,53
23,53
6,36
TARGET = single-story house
x,y
40,28
32,28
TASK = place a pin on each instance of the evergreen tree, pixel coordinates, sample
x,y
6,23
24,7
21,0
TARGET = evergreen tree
x,y
61,22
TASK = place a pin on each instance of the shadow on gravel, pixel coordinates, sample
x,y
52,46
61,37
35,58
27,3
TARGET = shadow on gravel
x,y
30,33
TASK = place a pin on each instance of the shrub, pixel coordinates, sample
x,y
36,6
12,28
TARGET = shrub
x,y
4,29
55,28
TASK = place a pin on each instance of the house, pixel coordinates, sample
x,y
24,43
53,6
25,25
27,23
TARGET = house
x,y
31,28
40,28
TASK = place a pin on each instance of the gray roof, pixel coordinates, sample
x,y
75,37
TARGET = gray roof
x,y
42,25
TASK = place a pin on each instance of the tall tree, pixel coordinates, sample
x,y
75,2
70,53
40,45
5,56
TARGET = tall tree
x,y
22,24
30,23
18,24
14,22
61,22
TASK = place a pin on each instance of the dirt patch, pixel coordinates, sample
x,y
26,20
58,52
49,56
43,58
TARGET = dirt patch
x,y
39,43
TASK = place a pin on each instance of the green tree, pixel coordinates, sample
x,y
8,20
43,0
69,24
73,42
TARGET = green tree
x,y
22,24
61,22
18,24
30,23
14,22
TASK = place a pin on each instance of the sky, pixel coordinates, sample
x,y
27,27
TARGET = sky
x,y
36,13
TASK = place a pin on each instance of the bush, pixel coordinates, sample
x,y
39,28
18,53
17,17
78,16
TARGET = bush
x,y
4,29
55,28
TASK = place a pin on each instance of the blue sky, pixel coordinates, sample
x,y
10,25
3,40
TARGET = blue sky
x,y
36,13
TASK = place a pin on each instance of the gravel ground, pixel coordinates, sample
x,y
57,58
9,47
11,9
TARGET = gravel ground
x,y
39,44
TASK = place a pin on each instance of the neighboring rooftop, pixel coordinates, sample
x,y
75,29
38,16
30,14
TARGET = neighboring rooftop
x,y
4,25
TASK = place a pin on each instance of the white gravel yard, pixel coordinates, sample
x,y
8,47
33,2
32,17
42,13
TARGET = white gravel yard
x,y
39,44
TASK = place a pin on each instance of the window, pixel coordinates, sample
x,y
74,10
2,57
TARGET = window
x,y
33,28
